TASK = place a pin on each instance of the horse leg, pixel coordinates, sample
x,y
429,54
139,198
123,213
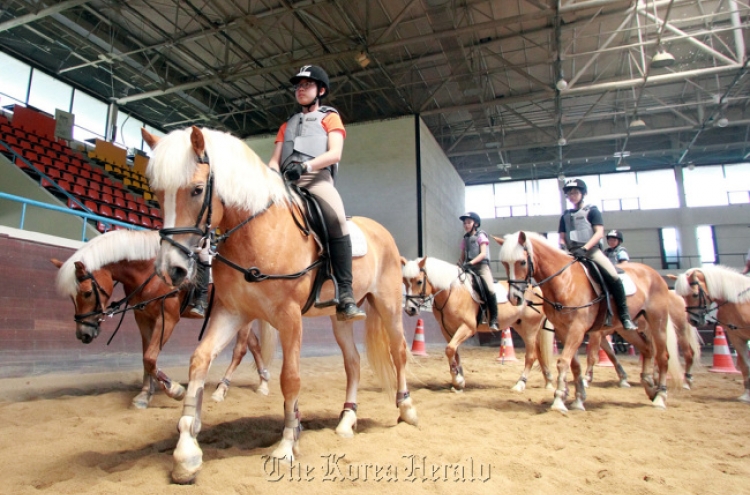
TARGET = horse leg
x,y
544,347
143,399
592,356
172,388
621,375
743,361
385,323
577,403
454,361
563,365
291,341
239,351
343,331
263,374
188,456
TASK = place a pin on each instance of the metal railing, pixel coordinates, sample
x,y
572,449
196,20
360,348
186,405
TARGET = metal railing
x,y
26,202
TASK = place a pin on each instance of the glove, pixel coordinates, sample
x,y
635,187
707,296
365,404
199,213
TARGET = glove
x,y
468,267
579,252
294,171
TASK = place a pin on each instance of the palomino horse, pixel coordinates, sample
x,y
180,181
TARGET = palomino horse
x,y
127,257
724,290
206,180
455,308
688,340
574,308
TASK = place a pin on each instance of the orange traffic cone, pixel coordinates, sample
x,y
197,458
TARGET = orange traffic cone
x,y
507,352
722,358
417,346
604,361
631,350
555,351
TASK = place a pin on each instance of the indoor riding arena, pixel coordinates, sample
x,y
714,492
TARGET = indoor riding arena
x,y
184,310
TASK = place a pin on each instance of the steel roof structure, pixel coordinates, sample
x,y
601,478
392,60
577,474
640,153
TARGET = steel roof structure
x,y
510,88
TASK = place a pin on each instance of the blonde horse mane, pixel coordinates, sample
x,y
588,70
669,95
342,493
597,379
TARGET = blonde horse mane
x,y
244,180
722,282
513,251
111,247
441,274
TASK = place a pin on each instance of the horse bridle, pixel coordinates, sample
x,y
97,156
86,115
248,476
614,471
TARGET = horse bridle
x,y
420,301
702,309
99,311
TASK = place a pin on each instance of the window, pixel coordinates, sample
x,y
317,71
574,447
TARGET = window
x,y
619,191
670,248
704,186
657,189
527,198
14,80
90,117
47,93
707,244
738,183
480,199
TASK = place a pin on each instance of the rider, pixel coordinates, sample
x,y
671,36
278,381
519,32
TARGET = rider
x,y
475,255
581,230
616,252
307,152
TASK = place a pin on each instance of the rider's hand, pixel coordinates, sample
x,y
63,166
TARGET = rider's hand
x,y
579,252
468,266
294,171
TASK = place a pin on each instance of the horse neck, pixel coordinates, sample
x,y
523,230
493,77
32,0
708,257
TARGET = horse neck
x,y
132,274
547,262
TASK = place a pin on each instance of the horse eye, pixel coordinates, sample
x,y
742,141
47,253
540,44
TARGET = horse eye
x,y
197,191
523,263
87,294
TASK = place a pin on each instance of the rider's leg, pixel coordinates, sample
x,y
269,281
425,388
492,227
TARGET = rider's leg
x,y
199,301
489,284
612,279
341,261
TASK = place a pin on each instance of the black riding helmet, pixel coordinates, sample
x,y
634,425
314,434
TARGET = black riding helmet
x,y
575,184
616,234
473,216
314,73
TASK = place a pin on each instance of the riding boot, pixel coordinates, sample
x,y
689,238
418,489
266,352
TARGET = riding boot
x,y
492,305
341,261
621,301
199,300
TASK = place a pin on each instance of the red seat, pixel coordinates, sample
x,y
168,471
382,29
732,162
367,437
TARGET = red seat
x,y
52,173
154,212
120,215
84,173
82,182
119,193
105,210
73,205
132,205
120,202
143,209
107,190
11,140
78,190
20,163
158,224
91,193
146,222
107,198
67,176
133,218
95,186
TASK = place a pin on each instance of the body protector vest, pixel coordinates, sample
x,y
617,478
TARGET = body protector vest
x,y
578,229
305,137
617,254
472,249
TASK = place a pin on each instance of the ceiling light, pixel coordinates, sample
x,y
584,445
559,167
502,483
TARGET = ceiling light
x,y
562,141
637,123
505,177
561,84
722,122
362,59
623,167
661,60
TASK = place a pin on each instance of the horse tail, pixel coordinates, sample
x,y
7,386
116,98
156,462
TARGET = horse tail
x,y
268,338
378,346
674,367
546,343
695,341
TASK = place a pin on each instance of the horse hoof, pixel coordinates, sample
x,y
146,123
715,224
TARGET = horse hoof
x,y
456,390
686,385
347,425
262,389
659,402
177,392
585,383
183,476
188,460
549,386
519,387
559,406
408,413
141,401
218,396
624,384
577,405
744,398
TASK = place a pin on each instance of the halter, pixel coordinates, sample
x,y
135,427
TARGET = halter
x,y
422,298
99,311
701,311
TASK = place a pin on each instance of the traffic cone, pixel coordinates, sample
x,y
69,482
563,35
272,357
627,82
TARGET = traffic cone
x,y
417,346
631,350
555,351
722,358
507,352
604,361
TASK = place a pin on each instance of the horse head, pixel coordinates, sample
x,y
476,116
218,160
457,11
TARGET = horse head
x,y
418,288
516,255
691,286
90,298
181,176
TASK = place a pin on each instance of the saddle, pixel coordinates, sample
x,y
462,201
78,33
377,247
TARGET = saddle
x,y
481,290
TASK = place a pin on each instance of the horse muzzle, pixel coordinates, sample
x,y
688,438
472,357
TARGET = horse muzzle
x,y
87,332
173,268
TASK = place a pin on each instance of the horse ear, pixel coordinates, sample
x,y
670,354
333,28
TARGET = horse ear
x,y
499,240
522,238
56,262
80,269
422,262
403,261
149,138
198,142
671,277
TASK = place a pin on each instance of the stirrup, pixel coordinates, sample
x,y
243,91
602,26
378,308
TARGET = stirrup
x,y
629,328
493,325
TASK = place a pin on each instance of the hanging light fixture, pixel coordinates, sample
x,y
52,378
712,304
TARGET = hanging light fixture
x,y
637,123
362,59
662,59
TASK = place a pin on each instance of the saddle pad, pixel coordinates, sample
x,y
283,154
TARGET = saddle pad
x,y
627,282
501,293
359,243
